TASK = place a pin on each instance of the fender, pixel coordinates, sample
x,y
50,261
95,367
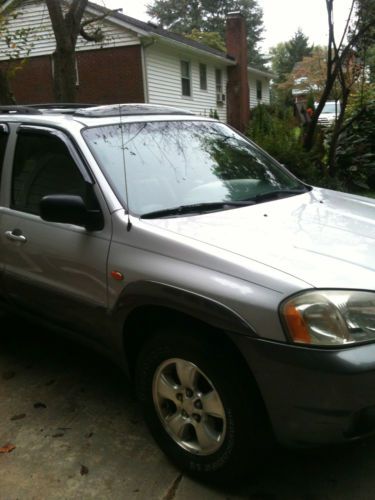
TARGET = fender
x,y
207,310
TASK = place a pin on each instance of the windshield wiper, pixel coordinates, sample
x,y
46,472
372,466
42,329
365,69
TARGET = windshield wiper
x,y
197,208
278,194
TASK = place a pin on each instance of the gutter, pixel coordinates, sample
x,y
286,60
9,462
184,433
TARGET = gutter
x,y
260,72
229,61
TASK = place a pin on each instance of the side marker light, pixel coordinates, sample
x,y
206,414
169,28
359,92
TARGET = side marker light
x,y
116,275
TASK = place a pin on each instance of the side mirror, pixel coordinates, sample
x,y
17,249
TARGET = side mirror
x,y
70,209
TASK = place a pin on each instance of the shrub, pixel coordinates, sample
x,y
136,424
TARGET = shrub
x,y
275,129
355,153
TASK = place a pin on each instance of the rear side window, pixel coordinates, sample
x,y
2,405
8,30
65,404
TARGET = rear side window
x,y
3,145
42,166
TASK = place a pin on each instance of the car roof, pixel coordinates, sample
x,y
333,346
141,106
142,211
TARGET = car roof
x,y
90,115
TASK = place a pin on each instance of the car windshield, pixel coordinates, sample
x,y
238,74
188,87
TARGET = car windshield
x,y
174,164
331,107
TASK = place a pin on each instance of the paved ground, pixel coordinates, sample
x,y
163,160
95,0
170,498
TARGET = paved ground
x,y
79,435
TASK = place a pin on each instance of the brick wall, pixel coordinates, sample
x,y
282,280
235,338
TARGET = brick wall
x,y
105,76
33,83
110,75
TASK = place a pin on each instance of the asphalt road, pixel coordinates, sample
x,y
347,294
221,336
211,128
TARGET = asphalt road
x,y
78,434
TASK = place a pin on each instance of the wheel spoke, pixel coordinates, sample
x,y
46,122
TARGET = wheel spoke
x,y
212,405
176,424
187,374
166,389
206,438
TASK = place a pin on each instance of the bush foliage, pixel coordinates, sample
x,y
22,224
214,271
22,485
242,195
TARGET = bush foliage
x,y
356,148
275,129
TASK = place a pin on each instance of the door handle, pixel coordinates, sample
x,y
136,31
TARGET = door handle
x,y
15,235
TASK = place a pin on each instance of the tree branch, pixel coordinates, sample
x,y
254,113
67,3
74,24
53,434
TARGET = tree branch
x,y
97,36
57,20
346,25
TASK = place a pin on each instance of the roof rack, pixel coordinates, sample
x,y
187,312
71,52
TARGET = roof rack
x,y
129,110
38,109
19,110
60,107
90,111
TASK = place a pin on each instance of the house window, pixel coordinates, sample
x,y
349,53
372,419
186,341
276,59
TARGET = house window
x,y
185,78
220,96
219,81
259,90
203,76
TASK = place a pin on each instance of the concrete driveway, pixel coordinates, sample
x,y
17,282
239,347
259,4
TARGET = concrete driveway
x,y
78,434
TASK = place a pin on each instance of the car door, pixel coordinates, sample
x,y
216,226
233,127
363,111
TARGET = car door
x,y
56,271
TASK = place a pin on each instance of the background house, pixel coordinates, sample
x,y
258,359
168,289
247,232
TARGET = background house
x,y
140,62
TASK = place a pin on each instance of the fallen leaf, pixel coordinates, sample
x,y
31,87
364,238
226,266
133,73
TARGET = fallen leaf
x,y
7,448
58,435
84,470
18,417
40,405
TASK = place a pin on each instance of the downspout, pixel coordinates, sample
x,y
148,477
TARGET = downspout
x,y
144,46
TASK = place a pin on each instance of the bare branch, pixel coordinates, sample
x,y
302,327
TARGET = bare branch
x,y
346,25
97,35
77,9
98,18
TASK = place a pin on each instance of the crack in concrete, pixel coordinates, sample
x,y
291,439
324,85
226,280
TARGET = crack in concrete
x,y
172,490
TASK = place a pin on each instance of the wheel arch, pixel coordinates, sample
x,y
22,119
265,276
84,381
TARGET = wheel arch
x,y
149,306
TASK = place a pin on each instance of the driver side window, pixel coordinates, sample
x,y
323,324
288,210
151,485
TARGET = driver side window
x,y
42,166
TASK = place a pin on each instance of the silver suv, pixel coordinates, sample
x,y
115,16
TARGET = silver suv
x,y
239,300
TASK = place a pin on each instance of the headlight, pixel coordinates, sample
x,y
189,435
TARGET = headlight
x,y
330,317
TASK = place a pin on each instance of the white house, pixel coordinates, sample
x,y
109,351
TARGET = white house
x,y
136,62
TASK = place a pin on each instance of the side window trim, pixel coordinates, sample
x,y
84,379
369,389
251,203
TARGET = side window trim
x,y
31,129
4,130
25,201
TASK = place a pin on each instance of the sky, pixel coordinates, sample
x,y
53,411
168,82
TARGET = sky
x,y
281,18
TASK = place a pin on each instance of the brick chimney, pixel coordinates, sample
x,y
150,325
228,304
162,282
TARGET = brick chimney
x,y
238,107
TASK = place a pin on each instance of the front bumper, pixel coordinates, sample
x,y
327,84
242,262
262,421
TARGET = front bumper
x,y
314,396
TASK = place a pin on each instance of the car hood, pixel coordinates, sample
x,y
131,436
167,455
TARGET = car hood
x,y
322,237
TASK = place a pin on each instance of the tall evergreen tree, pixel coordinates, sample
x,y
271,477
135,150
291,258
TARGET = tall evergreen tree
x,y
365,44
184,16
286,54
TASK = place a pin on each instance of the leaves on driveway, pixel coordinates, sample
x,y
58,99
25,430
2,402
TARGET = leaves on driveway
x,y
7,448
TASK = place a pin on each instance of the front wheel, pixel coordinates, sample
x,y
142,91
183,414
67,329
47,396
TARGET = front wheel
x,y
200,405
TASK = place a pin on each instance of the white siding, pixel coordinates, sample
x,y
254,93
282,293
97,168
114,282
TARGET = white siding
x,y
253,101
163,78
34,16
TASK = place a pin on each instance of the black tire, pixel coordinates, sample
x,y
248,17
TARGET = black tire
x,y
246,432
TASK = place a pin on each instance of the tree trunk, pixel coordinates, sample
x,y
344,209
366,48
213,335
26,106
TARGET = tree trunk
x,y
65,77
308,141
336,135
6,95
66,29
